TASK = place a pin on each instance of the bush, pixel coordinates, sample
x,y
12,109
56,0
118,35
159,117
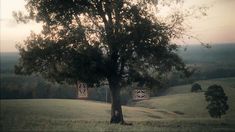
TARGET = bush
x,y
217,100
196,87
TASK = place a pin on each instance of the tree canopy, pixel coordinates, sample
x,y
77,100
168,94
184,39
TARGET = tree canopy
x,y
196,87
95,40
217,101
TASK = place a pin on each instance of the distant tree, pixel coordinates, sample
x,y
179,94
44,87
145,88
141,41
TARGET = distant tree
x,y
217,100
97,40
196,87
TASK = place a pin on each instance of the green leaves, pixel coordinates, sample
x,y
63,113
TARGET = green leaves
x,y
217,101
90,41
196,87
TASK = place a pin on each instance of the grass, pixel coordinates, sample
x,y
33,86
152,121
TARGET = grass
x,y
179,99
72,109
227,83
79,115
179,111
157,125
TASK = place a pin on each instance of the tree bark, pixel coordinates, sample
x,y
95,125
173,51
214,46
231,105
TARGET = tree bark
x,y
116,100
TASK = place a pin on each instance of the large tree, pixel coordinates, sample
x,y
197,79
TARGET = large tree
x,y
93,41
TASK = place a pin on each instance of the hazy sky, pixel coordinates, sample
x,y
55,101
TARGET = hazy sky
x,y
217,27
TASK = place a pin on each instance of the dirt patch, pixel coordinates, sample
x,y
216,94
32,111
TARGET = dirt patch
x,y
154,116
167,113
178,112
145,112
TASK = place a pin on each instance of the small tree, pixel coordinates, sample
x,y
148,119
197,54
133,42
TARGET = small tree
x,y
196,87
217,101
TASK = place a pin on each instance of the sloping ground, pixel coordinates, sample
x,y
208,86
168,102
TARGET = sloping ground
x,y
74,109
181,101
179,111
227,83
78,115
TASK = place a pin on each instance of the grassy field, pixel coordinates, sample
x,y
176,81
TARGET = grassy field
x,y
177,111
227,83
180,100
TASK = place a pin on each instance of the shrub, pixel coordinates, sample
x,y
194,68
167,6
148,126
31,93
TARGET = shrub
x,y
217,100
196,87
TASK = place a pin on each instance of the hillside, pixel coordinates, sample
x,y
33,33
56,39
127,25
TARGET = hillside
x,y
180,100
179,110
80,115
227,83
218,54
176,110
74,109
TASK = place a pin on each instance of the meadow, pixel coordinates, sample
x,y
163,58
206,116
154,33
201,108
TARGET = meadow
x,y
192,105
178,110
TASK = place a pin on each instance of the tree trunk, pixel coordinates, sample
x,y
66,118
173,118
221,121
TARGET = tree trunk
x,y
116,101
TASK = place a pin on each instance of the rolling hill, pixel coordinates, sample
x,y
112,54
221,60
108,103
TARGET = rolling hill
x,y
180,100
177,110
79,115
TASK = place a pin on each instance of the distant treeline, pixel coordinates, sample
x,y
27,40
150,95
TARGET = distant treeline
x,y
215,62
28,87
15,86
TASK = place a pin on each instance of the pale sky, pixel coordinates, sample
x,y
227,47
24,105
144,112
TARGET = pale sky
x,y
217,27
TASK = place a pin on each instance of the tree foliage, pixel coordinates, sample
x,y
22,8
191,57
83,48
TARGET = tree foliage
x,y
196,87
217,100
97,40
